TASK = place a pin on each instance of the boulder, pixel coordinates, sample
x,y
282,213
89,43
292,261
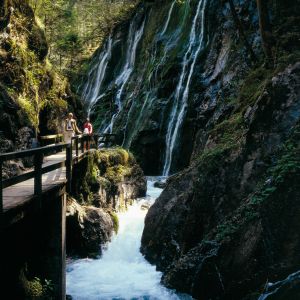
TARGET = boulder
x,y
87,229
160,184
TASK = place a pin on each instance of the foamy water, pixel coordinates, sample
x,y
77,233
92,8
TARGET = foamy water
x,y
122,272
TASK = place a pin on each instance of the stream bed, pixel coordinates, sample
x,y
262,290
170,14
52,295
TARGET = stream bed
x,y
122,272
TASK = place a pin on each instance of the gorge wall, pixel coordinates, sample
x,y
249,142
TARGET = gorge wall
x,y
33,96
160,76
229,222
180,88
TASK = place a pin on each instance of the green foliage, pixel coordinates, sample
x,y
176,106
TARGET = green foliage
x,y
115,220
29,77
75,29
36,288
106,168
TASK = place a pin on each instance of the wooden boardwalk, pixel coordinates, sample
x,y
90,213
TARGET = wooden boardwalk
x,y
18,194
51,172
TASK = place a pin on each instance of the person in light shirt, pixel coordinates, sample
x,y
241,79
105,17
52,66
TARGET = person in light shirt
x,y
70,128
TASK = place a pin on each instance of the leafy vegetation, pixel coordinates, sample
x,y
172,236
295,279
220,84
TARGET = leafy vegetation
x,y
106,168
26,74
75,29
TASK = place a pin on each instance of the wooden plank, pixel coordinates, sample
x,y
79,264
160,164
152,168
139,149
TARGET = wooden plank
x,y
18,194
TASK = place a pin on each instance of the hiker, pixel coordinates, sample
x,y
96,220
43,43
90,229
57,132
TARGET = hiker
x,y
71,128
88,130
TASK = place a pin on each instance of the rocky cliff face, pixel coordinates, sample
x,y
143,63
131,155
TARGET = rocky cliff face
x,y
180,87
33,97
106,182
229,223
174,61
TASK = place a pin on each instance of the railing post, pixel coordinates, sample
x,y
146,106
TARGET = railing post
x,y
77,146
82,143
1,190
38,161
69,167
96,139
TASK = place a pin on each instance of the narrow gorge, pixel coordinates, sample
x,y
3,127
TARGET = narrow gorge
x,y
200,196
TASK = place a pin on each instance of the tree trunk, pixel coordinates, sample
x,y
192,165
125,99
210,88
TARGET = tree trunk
x,y
265,28
240,27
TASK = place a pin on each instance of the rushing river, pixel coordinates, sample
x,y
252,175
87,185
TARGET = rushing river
x,y
122,272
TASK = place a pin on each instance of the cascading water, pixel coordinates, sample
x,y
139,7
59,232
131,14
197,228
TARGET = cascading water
x,y
182,90
92,90
134,37
122,272
90,94
158,60
138,91
273,288
168,19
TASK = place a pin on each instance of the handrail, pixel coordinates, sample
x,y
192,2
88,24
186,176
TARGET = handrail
x,y
38,153
36,173
56,138
31,152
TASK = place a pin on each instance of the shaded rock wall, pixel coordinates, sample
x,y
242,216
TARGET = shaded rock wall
x,y
149,95
229,222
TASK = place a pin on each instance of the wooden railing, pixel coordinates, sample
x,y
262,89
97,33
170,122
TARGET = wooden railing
x,y
80,144
51,139
38,170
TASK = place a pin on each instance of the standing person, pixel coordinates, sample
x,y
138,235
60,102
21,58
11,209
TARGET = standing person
x,y
88,130
70,128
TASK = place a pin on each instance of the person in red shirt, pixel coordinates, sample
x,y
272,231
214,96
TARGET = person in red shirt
x,y
88,130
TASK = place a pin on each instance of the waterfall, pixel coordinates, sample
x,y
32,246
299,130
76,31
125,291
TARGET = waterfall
x,y
169,42
122,272
90,94
182,89
273,288
134,36
168,18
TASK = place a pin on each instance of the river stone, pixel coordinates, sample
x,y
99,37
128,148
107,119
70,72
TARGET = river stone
x,y
87,229
160,184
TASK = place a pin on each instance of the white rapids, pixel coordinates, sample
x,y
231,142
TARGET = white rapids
x,y
122,272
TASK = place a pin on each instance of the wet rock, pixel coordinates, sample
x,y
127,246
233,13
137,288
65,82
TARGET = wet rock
x,y
87,229
236,200
160,184
104,183
145,206
109,179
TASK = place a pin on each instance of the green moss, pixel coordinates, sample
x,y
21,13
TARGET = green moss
x,y
278,176
36,288
117,173
29,78
105,168
227,137
115,220
253,86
